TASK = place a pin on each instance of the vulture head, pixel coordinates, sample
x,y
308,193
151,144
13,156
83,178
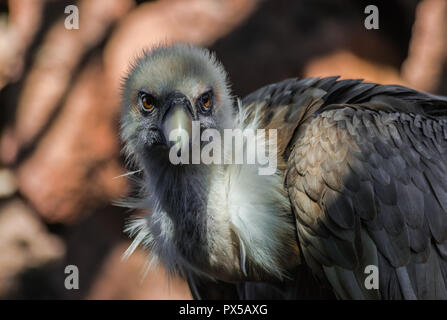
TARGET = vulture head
x,y
210,219
167,89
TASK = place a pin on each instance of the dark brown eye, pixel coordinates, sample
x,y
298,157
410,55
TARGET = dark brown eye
x,y
147,101
205,100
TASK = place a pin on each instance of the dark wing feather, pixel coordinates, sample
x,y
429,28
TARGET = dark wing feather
x,y
206,289
368,183
302,286
366,175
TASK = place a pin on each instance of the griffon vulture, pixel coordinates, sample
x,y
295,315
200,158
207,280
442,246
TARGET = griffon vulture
x,y
360,184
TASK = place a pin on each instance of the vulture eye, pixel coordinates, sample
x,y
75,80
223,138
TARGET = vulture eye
x,y
147,101
206,100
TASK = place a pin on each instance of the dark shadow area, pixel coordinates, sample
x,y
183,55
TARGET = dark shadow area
x,y
280,38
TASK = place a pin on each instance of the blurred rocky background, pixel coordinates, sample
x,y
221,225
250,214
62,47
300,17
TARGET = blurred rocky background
x,y
59,110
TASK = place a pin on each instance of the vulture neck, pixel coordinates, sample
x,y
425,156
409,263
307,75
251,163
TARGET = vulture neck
x,y
180,195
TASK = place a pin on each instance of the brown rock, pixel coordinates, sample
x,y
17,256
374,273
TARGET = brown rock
x,y
8,183
199,22
55,63
16,35
24,243
72,169
428,47
9,145
349,66
120,279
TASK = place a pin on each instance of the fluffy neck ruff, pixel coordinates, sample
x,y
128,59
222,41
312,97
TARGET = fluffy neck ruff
x,y
222,221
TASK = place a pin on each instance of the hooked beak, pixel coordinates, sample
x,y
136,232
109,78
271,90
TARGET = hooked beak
x,y
177,125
